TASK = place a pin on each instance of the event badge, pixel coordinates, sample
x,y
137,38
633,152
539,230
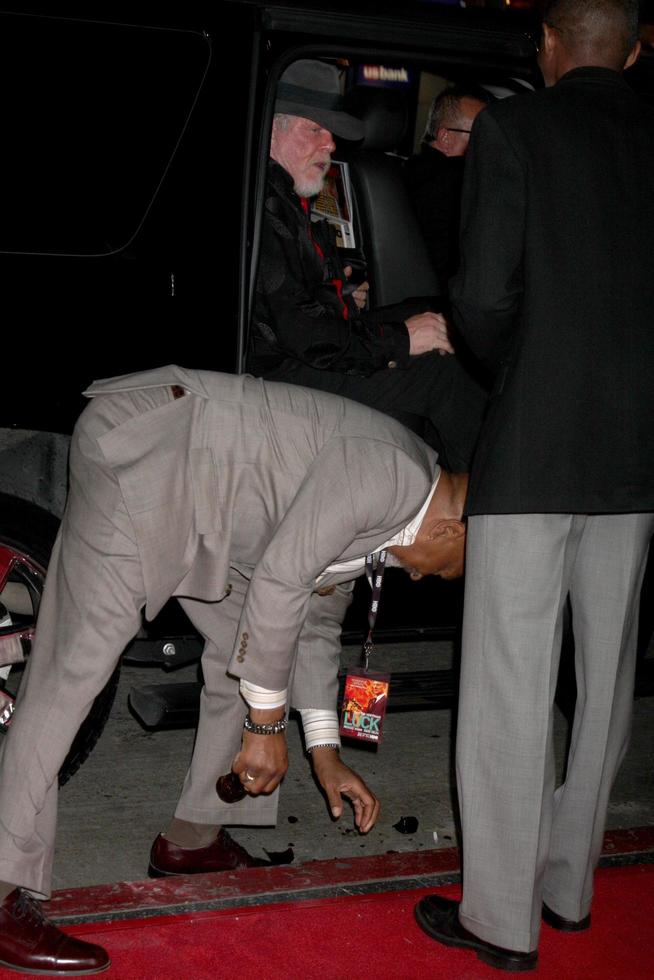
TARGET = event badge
x,y
364,706
365,695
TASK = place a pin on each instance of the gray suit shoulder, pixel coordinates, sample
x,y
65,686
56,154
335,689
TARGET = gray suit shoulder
x,y
161,377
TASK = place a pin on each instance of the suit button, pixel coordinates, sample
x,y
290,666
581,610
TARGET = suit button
x,y
245,637
240,658
392,364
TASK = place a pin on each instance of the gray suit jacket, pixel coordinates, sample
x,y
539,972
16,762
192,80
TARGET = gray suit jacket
x,y
274,478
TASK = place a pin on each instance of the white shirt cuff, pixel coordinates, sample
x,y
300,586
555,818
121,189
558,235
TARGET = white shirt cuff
x,y
261,697
320,727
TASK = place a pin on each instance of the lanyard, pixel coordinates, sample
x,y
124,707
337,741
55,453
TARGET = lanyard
x,y
375,568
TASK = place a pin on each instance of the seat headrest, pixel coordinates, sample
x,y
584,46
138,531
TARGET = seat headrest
x,y
384,113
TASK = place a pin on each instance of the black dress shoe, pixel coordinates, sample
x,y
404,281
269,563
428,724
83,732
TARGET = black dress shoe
x,y
439,918
557,921
30,943
224,854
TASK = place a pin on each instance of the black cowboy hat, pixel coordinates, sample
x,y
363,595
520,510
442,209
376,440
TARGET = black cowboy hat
x,y
311,89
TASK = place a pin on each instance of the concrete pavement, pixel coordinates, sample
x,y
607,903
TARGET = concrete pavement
x,y
126,792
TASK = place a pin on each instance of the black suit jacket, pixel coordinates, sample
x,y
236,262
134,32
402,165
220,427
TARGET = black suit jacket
x,y
555,292
434,184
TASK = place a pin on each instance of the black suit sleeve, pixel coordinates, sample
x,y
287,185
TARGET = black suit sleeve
x,y
487,291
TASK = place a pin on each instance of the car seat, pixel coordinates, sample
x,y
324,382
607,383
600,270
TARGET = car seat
x,y
397,257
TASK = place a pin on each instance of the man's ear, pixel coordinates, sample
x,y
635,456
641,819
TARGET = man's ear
x,y
447,528
633,55
549,40
442,137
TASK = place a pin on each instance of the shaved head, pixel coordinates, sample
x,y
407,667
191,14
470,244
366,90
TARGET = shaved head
x,y
595,32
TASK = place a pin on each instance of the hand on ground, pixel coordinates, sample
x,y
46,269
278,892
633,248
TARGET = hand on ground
x,y
338,780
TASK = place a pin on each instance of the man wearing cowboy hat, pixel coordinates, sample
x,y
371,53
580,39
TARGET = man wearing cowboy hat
x,y
305,328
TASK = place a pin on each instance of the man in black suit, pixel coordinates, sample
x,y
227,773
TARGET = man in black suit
x,y
555,293
434,176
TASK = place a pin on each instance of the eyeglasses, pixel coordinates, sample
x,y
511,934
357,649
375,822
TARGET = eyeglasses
x,y
454,129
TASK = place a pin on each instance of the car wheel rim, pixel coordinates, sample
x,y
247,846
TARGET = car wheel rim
x,y
21,588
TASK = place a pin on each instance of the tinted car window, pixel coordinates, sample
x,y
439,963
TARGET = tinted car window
x,y
91,116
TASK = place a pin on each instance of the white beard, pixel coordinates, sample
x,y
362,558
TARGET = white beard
x,y
310,188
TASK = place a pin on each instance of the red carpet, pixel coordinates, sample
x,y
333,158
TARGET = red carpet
x,y
371,936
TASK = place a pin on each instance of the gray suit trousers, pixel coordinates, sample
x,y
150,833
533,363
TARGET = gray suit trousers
x,y
90,610
524,839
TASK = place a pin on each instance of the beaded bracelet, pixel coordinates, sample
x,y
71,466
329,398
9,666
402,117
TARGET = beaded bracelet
x,y
274,728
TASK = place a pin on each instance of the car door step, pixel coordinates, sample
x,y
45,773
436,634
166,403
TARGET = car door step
x,y
178,705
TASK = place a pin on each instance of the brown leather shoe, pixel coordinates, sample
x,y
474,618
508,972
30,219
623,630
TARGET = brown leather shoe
x,y
439,918
30,943
224,854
